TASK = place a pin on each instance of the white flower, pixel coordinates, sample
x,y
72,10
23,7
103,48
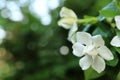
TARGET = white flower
x,y
69,18
116,39
68,21
2,34
93,51
117,21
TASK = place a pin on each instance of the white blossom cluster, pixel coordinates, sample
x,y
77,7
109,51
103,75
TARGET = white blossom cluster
x,y
116,40
91,49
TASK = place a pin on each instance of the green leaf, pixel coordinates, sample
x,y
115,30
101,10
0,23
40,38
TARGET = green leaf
x,y
117,32
118,50
110,10
92,74
118,76
108,13
102,30
114,61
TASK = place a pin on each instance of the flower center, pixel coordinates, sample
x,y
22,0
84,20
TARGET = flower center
x,y
69,21
90,50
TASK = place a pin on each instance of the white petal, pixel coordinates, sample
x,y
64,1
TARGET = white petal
x,y
85,62
115,41
72,35
98,40
98,64
73,30
72,38
84,38
65,12
117,20
105,53
78,49
67,23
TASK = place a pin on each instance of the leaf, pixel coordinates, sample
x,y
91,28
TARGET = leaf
x,y
102,30
115,60
98,30
92,74
117,32
110,10
108,13
118,76
118,50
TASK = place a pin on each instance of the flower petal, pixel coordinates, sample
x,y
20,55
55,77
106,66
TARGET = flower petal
x,y
98,40
65,12
84,38
78,49
98,64
72,38
117,20
85,62
67,23
105,53
115,41
72,35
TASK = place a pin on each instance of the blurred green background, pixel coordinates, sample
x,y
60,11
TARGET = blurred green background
x,y
35,47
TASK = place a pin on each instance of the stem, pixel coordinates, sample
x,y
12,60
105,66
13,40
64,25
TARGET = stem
x,y
91,20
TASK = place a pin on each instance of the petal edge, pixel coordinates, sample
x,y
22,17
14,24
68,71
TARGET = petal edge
x,y
99,64
85,62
